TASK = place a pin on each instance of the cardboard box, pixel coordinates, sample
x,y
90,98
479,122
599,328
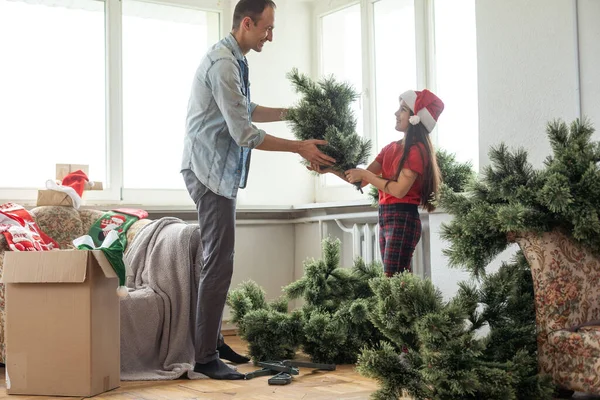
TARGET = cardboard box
x,y
95,186
53,198
63,170
62,323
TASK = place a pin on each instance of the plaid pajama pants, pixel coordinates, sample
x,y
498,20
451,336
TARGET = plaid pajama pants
x,y
399,233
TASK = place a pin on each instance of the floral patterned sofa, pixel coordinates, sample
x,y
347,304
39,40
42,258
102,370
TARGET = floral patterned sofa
x,y
63,224
566,281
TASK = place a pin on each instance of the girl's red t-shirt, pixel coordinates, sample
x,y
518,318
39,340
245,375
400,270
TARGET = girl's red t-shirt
x,y
389,158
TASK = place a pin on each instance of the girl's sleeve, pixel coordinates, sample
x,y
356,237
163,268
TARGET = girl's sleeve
x,y
379,157
416,159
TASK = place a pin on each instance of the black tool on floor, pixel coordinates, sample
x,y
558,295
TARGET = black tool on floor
x,y
260,372
284,370
281,378
306,364
279,366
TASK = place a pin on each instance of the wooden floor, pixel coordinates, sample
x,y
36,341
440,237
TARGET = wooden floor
x,y
344,383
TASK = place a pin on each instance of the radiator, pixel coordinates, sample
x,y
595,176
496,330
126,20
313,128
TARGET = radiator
x,y
365,243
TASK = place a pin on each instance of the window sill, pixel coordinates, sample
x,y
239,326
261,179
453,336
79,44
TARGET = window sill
x,y
352,210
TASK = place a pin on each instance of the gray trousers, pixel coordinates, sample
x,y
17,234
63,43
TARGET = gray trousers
x,y
216,217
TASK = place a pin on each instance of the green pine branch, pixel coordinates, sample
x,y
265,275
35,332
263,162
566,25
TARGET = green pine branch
x,y
430,352
511,198
324,112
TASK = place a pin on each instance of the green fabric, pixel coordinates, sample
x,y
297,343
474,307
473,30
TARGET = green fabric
x,y
113,250
109,234
112,220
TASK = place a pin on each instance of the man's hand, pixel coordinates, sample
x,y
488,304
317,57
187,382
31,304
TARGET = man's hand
x,y
309,151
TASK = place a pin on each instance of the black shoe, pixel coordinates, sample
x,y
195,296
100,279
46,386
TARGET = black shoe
x,y
217,369
227,353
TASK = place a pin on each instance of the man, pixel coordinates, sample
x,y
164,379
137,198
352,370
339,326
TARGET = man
x,y
216,159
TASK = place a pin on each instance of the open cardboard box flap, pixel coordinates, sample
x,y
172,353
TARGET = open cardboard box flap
x,y
56,266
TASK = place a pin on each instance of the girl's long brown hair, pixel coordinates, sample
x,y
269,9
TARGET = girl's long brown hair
x,y
430,181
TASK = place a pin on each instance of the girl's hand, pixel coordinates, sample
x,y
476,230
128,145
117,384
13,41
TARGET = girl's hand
x,y
355,175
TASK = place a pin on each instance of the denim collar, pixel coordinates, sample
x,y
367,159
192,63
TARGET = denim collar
x,y
233,45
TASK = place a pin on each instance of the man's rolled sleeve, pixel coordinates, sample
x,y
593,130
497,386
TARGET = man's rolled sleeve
x,y
259,139
225,82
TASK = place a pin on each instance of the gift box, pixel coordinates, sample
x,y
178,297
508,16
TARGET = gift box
x,y
53,198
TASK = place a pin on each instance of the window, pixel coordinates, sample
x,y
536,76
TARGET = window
x,y
162,47
341,51
395,62
341,56
52,89
403,44
456,78
103,83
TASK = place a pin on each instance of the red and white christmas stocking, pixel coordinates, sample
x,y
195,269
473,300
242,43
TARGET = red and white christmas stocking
x,y
21,231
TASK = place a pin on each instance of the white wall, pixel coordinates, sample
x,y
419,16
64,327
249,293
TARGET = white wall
x,y
443,277
527,72
527,75
278,178
273,255
446,279
589,33
266,255
307,239
307,246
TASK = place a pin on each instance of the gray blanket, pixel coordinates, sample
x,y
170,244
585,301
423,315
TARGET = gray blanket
x,y
158,316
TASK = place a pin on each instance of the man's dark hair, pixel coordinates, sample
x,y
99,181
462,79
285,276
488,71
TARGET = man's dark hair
x,y
250,8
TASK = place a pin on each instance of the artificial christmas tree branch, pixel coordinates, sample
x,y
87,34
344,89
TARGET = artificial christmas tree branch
x,y
333,323
324,112
401,330
432,353
271,332
512,198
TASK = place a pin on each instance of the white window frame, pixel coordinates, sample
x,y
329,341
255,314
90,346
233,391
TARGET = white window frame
x,y
328,193
425,40
114,193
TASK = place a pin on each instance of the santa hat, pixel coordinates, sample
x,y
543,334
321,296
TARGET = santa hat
x,y
72,184
426,106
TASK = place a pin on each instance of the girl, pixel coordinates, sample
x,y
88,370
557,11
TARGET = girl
x,y
407,175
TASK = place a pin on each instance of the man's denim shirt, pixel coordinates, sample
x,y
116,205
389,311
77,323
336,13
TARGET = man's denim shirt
x,y
219,132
